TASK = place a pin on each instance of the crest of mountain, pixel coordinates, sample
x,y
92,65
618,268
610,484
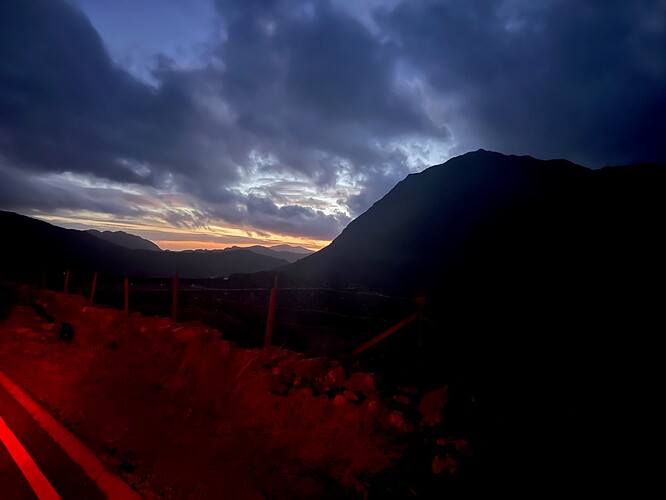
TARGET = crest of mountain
x,y
486,218
285,252
126,240
37,246
542,284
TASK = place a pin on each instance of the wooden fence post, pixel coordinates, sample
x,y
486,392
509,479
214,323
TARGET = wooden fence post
x,y
271,315
383,335
66,287
126,296
92,290
421,303
174,297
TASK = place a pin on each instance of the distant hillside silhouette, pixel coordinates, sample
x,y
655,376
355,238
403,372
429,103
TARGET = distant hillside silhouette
x,y
124,239
291,248
284,252
31,246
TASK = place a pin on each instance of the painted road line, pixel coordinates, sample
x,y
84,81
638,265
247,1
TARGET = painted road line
x,y
38,482
108,482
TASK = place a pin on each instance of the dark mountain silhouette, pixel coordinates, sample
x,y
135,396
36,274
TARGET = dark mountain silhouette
x,y
124,239
292,255
486,213
544,295
540,249
32,246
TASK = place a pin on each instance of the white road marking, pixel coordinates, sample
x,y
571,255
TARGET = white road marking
x,y
38,482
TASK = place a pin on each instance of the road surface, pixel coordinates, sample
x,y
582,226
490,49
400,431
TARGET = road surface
x,y
51,474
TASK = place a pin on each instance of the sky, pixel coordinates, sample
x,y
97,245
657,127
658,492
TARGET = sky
x,y
210,123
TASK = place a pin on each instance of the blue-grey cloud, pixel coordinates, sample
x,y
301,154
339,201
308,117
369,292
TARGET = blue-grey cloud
x,y
347,100
584,80
67,107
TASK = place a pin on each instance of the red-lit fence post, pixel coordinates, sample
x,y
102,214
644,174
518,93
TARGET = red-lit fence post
x,y
365,346
174,297
92,290
126,296
66,287
271,315
43,280
417,315
421,303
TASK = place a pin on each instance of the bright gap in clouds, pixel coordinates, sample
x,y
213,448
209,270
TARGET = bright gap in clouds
x,y
168,238
154,211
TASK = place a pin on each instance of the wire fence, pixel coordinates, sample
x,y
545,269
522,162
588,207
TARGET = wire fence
x,y
315,320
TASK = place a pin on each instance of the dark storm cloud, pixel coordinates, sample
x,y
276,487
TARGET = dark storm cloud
x,y
306,87
316,91
31,193
314,85
67,107
584,80
345,99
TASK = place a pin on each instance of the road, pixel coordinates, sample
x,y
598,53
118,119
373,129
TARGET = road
x,y
55,474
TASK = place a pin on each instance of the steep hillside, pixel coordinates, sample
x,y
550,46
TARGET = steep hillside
x,y
484,214
33,246
124,239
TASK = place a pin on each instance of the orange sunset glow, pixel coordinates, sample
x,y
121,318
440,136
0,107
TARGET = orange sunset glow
x,y
178,239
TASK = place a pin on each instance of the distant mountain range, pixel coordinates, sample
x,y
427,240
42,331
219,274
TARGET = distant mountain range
x,y
32,246
291,248
285,252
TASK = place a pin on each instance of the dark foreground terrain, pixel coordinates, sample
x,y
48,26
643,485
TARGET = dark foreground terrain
x,y
178,410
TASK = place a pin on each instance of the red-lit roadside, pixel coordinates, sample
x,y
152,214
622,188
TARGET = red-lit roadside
x,y
39,484
53,461
12,480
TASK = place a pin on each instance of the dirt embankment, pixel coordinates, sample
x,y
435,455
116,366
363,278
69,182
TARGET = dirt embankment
x,y
180,412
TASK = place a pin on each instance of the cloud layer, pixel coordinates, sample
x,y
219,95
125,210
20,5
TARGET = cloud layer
x,y
295,116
